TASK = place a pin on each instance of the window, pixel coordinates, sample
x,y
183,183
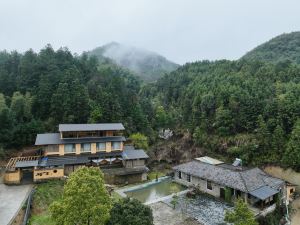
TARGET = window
x,y
52,148
116,145
188,177
70,148
209,185
291,190
101,146
179,175
86,147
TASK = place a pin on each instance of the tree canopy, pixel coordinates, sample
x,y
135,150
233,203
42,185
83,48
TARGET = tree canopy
x,y
85,199
241,215
242,109
40,90
139,140
130,211
284,47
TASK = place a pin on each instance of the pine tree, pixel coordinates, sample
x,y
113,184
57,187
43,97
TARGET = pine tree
x,y
291,156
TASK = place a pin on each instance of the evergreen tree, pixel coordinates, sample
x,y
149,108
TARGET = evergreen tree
x,y
291,156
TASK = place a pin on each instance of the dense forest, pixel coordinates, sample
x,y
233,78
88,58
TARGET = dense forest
x,y
40,90
149,66
246,108
281,48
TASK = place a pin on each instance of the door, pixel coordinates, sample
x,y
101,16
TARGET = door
x,y
222,193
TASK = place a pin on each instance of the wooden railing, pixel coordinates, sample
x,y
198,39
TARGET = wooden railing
x,y
12,162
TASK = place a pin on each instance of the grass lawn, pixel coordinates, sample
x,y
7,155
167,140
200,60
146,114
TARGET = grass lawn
x,y
152,175
45,194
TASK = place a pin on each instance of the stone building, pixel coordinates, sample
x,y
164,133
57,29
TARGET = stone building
x,y
229,182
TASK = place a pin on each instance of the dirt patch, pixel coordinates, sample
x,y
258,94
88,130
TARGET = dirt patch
x,y
19,218
163,214
288,174
296,216
179,148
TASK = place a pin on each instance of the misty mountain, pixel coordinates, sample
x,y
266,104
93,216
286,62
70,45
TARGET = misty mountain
x,y
281,48
149,66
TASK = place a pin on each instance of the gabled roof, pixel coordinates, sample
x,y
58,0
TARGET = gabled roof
x,y
54,139
24,164
134,154
91,127
244,180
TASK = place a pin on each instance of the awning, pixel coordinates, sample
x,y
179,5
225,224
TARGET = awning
x,y
263,192
29,163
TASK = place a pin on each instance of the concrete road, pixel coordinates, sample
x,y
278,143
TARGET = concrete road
x,y
11,200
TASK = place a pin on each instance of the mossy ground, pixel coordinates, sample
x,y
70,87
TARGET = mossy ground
x,y
45,194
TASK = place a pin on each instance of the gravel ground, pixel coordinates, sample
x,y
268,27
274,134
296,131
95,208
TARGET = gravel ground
x,y
165,215
206,210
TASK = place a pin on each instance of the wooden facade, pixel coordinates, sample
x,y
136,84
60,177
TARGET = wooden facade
x,y
64,152
60,149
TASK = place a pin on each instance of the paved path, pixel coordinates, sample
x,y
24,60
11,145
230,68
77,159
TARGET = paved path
x,y
165,215
11,200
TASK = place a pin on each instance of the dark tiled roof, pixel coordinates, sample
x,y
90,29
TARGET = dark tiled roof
x,y
30,163
75,159
264,192
244,180
91,127
134,154
54,139
128,147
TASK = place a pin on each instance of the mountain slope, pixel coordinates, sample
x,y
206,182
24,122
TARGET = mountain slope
x,y
149,66
244,109
281,48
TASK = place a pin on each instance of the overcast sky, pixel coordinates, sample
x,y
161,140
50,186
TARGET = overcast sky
x,y
181,30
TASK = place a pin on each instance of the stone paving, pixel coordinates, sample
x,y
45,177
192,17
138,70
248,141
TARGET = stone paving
x,y
206,210
165,215
11,200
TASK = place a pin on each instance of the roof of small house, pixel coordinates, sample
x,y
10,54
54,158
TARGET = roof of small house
x,y
134,154
91,127
88,157
209,160
29,163
54,139
264,192
245,180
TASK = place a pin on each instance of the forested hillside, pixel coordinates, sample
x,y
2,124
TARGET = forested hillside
x,y
281,48
247,109
147,65
40,90
235,109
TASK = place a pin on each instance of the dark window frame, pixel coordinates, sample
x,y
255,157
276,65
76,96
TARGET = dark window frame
x,y
189,178
209,185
